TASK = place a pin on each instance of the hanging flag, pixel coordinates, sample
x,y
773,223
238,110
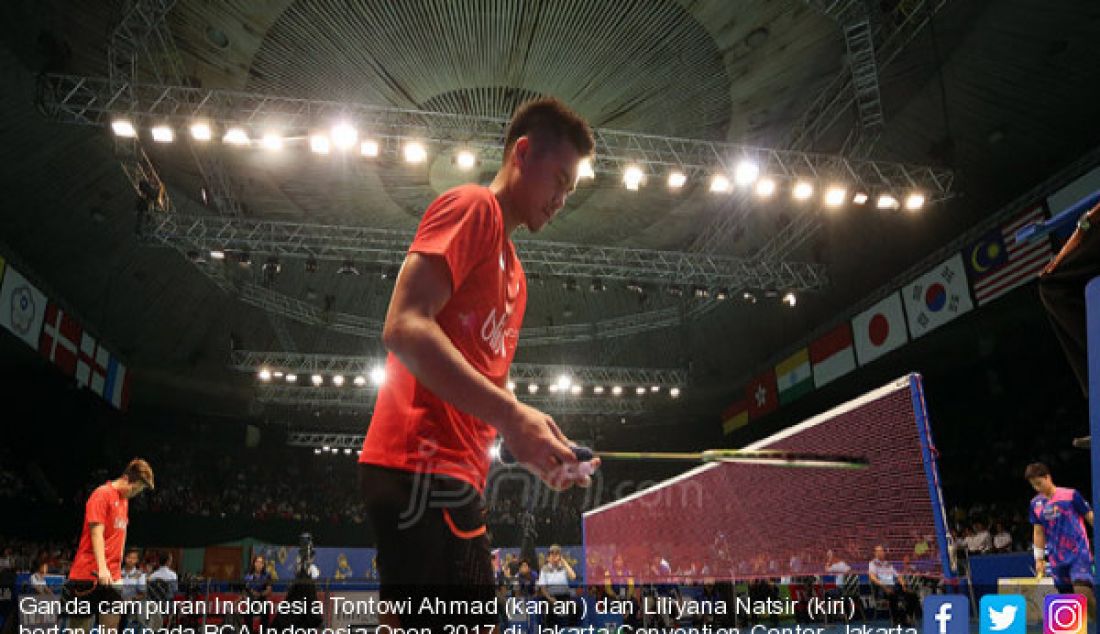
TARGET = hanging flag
x,y
879,329
60,340
761,395
22,307
116,389
85,360
99,370
735,416
793,377
833,356
937,297
996,264
2,264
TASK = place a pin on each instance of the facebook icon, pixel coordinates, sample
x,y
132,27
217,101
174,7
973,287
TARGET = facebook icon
x,y
946,614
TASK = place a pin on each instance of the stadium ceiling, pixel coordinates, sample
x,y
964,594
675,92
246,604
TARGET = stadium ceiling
x,y
907,94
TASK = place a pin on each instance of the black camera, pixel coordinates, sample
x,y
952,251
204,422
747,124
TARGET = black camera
x,y
305,555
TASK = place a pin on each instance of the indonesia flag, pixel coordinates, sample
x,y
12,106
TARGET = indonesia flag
x,y
879,329
833,356
997,264
60,340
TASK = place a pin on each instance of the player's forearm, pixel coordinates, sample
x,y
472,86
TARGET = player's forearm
x,y
422,346
99,549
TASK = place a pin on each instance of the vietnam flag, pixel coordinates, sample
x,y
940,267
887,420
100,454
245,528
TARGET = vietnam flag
x,y
735,417
762,395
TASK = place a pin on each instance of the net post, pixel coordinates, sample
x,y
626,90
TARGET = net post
x,y
931,472
1092,302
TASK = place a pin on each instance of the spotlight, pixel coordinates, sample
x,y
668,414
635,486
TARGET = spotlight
x,y
835,196
325,448
674,392
217,254
617,390
369,148
319,144
700,292
344,136
721,295
317,379
123,128
271,141
317,451
291,378
338,380
746,173
575,390
655,388
860,198
719,184
465,160
277,374
511,386
378,375
585,169
598,286
347,451
235,136
765,187
676,180
533,388
553,388
675,291
200,131
196,257
347,268
564,382
265,375
272,266
360,381
886,201
569,284
415,152
163,134
598,389
639,390
914,201
790,299
633,177
802,190
748,297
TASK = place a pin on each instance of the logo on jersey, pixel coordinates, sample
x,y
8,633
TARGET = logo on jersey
x,y
495,332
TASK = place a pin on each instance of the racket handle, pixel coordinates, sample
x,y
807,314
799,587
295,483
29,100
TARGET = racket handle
x,y
582,454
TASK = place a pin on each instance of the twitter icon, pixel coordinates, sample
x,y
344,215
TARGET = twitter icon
x,y
1003,614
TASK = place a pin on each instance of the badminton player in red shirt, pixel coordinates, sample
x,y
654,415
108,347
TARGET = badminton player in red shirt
x,y
451,331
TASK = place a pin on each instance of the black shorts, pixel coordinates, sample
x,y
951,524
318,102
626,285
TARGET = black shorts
x,y
432,543
89,595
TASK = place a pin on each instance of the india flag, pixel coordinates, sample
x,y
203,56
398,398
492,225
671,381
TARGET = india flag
x,y
832,355
794,377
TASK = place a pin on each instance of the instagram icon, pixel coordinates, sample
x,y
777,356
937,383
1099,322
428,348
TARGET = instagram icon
x,y
1064,614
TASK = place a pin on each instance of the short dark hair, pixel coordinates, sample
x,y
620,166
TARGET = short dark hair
x,y
549,118
164,559
1036,470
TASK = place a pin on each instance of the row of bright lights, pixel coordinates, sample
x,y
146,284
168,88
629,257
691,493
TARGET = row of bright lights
x,y
377,378
344,137
565,385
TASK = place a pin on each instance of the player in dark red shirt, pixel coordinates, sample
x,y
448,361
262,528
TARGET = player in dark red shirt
x,y
96,573
451,330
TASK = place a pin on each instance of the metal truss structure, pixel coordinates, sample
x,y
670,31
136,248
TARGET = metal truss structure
x,y
362,398
557,259
315,440
96,101
887,41
305,364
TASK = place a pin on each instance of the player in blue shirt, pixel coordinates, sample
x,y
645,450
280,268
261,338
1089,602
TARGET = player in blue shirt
x,y
1058,515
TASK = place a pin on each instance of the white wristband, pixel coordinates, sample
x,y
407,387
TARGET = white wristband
x,y
1040,553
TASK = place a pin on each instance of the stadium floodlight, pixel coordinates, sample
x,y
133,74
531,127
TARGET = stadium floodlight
x,y
163,134
465,160
719,184
264,374
886,201
765,187
235,136
746,173
378,375
835,196
344,136
914,201
271,141
676,179
369,148
533,388
201,131
633,177
802,190
123,128
319,144
415,152
317,379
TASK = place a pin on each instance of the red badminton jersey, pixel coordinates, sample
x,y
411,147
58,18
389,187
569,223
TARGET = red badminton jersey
x,y
108,507
412,429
